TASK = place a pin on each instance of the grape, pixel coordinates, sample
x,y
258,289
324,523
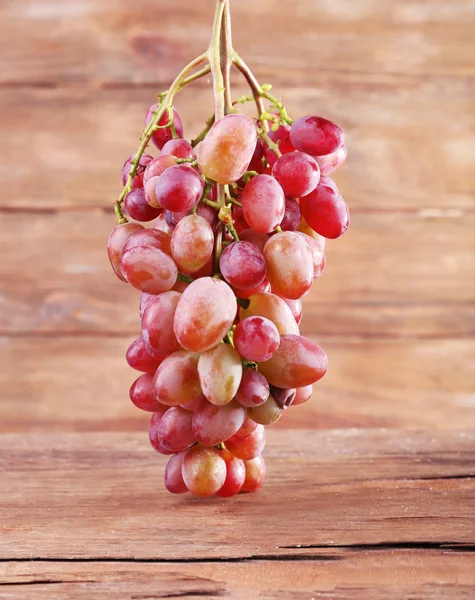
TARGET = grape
x,y
273,308
173,476
150,193
328,181
204,471
298,362
240,223
153,433
256,339
143,396
258,239
208,213
249,447
149,238
205,313
326,212
220,371
242,265
267,413
247,428
227,150
192,405
304,227
162,225
161,136
289,265
235,475
178,148
284,398
282,138
297,173
316,136
192,244
296,308
263,203
262,287
255,474
115,245
145,301
302,395
253,390
157,325
149,269
138,179
179,188
215,424
158,166
331,162
176,380
138,208
292,216
139,359
318,257
175,430
257,164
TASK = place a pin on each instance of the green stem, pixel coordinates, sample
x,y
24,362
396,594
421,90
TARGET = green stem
x,y
204,133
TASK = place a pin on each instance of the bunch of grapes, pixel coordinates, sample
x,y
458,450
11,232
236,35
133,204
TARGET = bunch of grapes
x,y
240,216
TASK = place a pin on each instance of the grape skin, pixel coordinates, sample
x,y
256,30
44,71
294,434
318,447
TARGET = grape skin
x,y
267,413
118,237
204,471
220,372
157,325
263,203
179,188
316,136
235,475
302,395
256,339
161,136
158,166
253,390
173,476
138,179
326,212
249,447
331,162
149,269
143,396
153,433
255,474
178,148
265,304
297,173
137,207
176,380
215,424
242,265
139,359
175,430
192,244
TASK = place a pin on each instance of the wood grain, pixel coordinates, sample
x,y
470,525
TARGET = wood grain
x,y
81,384
101,496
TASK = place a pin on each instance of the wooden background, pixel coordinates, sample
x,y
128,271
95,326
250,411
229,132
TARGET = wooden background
x,y
395,309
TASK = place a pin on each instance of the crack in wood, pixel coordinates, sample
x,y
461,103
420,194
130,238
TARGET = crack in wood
x,y
46,582
203,593
453,546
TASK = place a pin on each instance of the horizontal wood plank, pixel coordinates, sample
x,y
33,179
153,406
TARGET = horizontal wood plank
x,y
65,148
101,496
117,42
57,278
346,575
81,384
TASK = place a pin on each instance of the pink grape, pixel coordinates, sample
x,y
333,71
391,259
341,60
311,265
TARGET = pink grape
x,y
257,164
253,390
173,476
284,398
263,203
204,471
145,301
153,434
242,265
326,212
316,136
247,428
175,430
192,244
331,162
297,173
249,447
149,269
220,371
264,304
179,188
178,148
150,194
256,339
240,223
258,239
292,215
205,313
302,395
318,257
289,265
208,213
304,227
137,207
176,380
149,238
138,180
161,136
235,475
297,363
296,308
157,325
268,413
143,396
225,153
215,424
282,138
139,359
162,225
158,166
255,474
192,405
328,181
115,245
262,287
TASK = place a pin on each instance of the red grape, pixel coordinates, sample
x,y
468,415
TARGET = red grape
x,y
263,203
256,339
173,475
257,164
242,265
161,136
235,475
143,396
192,244
267,413
304,227
316,136
139,359
150,193
303,394
115,245
179,188
284,398
149,238
158,166
297,173
262,287
292,215
240,223
318,256
176,380
149,269
331,162
255,474
253,390
153,433
192,405
208,213
162,225
215,424
157,325
258,239
247,428
138,208
175,430
264,304
249,447
326,212
204,471
138,180
220,371
282,138
178,148
296,308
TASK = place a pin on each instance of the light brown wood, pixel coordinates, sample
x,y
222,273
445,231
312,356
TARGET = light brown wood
x,y
343,574
81,384
98,496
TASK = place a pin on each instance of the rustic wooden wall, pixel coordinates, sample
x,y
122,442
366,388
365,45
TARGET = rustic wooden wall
x,y
395,309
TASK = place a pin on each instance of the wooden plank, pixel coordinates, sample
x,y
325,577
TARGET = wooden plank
x,y
347,574
99,496
396,261
117,42
69,150
81,384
